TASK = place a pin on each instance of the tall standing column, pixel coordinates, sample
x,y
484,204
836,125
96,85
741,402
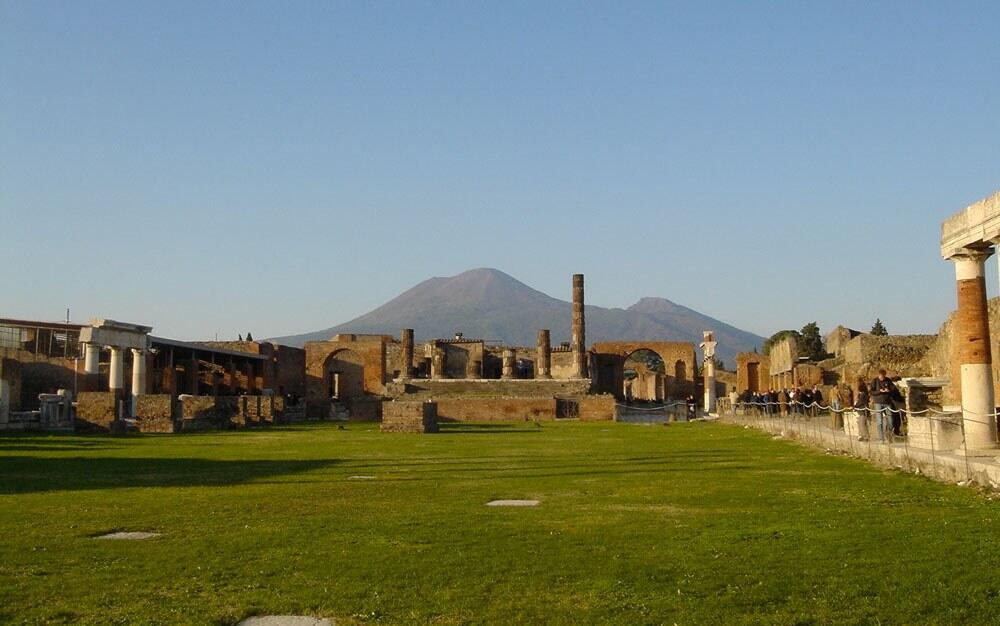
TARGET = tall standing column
x,y
543,355
972,350
138,378
578,341
708,368
116,376
407,340
91,365
509,361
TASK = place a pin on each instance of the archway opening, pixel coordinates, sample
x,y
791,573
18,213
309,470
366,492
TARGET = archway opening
x,y
344,375
644,377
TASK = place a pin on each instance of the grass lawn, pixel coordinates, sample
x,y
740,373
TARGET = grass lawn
x,y
686,524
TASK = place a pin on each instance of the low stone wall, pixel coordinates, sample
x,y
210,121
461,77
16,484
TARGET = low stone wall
x,y
95,410
207,412
154,413
496,409
409,417
491,388
943,464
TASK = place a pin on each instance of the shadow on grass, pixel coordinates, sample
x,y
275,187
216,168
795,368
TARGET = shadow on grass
x,y
28,474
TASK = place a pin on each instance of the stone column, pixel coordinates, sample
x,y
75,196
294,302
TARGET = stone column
x,y
251,378
407,340
972,350
91,365
579,337
194,380
4,401
138,378
509,363
708,367
437,361
543,355
232,381
116,377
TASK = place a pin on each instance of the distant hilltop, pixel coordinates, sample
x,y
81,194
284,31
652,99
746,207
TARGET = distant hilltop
x,y
490,304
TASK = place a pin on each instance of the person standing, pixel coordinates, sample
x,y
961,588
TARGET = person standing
x,y
882,390
861,407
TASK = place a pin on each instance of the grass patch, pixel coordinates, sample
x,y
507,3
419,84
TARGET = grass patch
x,y
691,524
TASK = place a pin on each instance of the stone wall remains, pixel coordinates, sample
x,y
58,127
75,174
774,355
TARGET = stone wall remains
x,y
409,417
95,410
496,409
155,413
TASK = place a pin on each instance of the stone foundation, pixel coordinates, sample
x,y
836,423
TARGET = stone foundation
x,y
95,410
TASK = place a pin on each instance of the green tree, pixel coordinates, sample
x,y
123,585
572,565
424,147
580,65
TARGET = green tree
x,y
811,343
879,328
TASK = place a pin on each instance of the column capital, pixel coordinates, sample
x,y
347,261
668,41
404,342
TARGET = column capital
x,y
978,255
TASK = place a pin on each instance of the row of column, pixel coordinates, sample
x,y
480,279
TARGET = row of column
x,y
543,358
116,373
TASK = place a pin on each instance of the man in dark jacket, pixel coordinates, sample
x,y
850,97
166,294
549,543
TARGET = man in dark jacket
x,y
882,390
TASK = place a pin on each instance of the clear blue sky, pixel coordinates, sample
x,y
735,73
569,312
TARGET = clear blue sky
x,y
282,167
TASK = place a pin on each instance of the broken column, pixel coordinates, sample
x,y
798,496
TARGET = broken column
x,y
509,363
543,355
708,368
578,341
138,378
407,340
972,349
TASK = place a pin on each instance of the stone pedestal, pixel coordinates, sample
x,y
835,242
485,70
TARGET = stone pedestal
x,y
409,417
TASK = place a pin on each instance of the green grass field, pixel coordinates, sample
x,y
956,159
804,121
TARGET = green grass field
x,y
686,524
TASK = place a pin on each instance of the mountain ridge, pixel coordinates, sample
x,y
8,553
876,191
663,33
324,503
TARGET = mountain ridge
x,y
488,303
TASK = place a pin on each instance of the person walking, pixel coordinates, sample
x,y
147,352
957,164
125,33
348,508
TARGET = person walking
x,y
861,407
882,390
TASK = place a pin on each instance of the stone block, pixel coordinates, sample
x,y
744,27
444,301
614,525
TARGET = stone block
x,y
409,417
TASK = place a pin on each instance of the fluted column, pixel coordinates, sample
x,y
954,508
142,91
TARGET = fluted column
x,y
543,355
578,342
972,350
708,369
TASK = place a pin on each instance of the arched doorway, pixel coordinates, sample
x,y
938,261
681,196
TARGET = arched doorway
x,y
644,375
344,375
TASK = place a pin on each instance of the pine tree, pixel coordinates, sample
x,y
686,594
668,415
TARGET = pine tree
x,y
249,337
879,328
811,343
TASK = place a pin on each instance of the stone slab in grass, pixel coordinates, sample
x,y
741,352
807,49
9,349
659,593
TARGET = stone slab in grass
x,y
128,535
513,503
284,620
360,478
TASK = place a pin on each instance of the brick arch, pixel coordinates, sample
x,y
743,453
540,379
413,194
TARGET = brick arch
x,y
609,365
370,352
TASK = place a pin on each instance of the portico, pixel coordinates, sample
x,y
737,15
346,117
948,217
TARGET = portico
x,y
967,240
